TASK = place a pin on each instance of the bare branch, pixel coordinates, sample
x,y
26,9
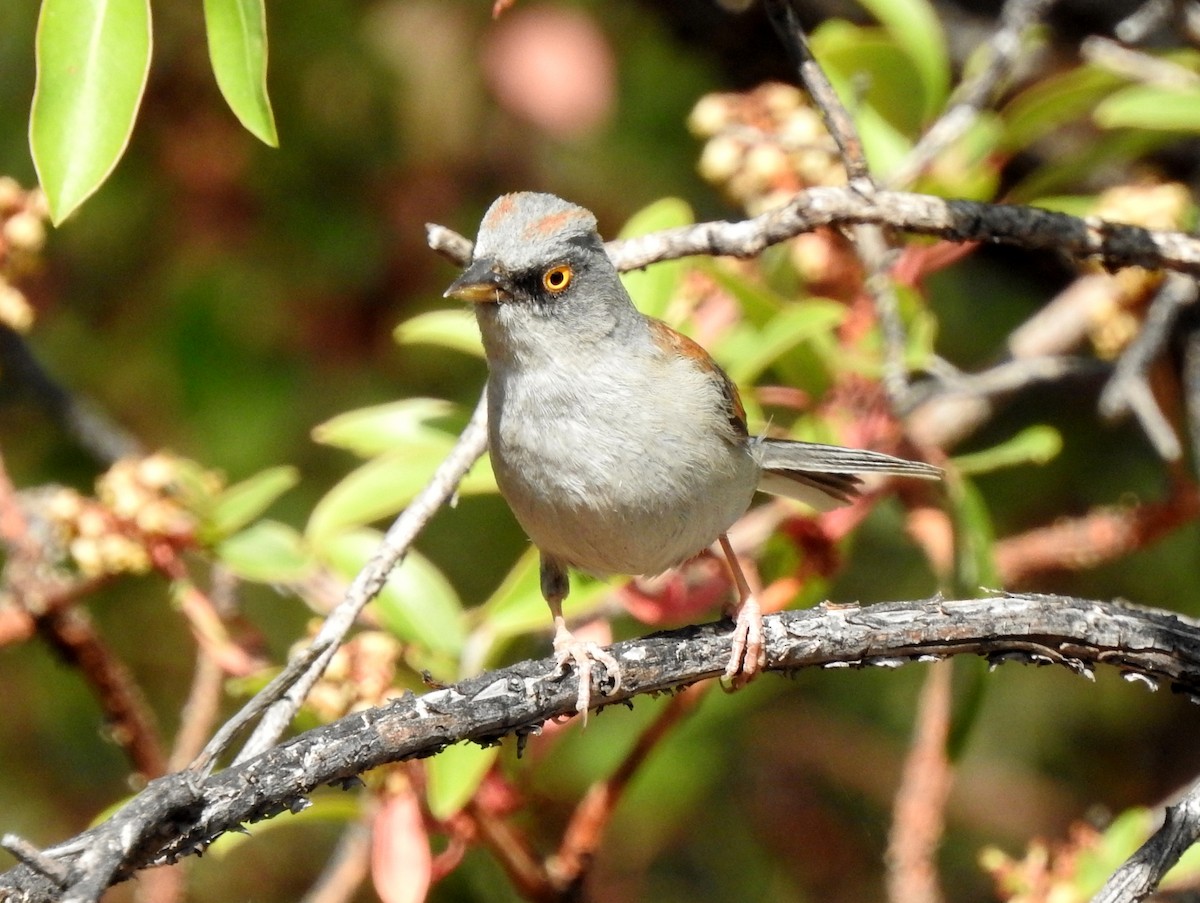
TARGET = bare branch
x,y
1137,878
972,95
1129,387
919,812
1114,245
870,243
178,815
366,586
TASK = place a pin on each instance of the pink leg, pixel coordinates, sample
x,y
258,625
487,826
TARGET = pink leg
x,y
749,655
567,649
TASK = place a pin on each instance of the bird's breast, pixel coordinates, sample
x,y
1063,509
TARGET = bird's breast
x,y
612,475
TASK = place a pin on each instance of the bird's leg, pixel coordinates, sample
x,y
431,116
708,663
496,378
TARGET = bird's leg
x,y
749,656
567,649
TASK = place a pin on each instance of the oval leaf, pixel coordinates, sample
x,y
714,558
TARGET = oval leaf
x,y
1150,107
1036,444
914,25
268,552
452,329
381,428
383,486
92,62
244,501
237,47
653,287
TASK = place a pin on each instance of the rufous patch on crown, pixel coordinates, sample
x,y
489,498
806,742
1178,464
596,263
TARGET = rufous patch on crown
x,y
500,210
553,223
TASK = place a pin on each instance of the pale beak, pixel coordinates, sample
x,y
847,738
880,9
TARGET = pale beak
x,y
480,284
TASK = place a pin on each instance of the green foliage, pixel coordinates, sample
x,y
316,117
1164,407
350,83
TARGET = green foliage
x,y
237,47
241,503
221,299
93,60
1033,445
653,288
267,552
454,775
404,442
92,63
417,604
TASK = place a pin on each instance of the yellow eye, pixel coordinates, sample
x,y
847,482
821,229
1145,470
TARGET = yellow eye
x,y
556,279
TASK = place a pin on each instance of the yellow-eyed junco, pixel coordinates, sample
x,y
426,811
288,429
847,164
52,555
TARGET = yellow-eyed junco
x,y
619,444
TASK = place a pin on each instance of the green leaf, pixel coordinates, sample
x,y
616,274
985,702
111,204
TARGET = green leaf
x,y
383,486
92,62
417,603
268,552
1033,445
1150,107
237,47
454,775
889,110
870,71
653,288
453,329
915,27
517,605
759,303
242,502
1052,103
385,427
974,539
799,323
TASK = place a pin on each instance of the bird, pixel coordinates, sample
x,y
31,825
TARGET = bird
x,y
620,445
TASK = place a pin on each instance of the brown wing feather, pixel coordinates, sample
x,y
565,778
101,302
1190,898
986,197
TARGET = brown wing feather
x,y
680,345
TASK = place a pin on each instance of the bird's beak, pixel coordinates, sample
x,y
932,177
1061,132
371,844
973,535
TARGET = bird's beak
x,y
480,283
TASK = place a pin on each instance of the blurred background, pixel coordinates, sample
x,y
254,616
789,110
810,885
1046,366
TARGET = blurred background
x,y
219,298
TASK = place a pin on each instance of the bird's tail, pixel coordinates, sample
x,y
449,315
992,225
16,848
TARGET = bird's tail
x,y
825,476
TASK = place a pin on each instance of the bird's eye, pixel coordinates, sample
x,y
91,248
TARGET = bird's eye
x,y
556,279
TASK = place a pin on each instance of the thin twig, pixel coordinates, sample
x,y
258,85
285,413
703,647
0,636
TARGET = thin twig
x,y
1003,51
918,816
199,712
1151,15
131,722
371,579
834,114
1081,239
103,438
1103,534
1057,328
1190,379
1138,876
346,869
586,828
1129,387
1134,64
870,243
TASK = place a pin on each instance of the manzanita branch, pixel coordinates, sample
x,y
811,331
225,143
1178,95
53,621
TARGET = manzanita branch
x,y
181,814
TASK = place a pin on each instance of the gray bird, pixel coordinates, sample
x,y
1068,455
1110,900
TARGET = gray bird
x,y
619,444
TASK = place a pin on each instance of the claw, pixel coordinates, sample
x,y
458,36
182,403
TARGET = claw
x,y
749,655
583,655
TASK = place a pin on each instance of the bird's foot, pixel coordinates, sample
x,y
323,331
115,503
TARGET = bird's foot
x,y
582,654
749,654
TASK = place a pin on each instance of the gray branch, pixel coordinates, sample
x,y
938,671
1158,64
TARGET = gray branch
x,y
181,814
1114,245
